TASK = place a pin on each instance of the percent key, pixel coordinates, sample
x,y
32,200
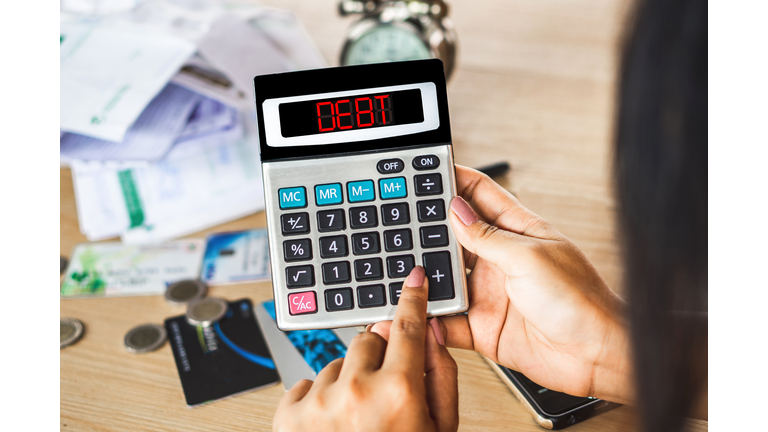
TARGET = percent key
x,y
297,250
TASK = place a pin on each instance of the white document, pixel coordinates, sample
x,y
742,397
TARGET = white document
x,y
285,31
187,191
109,76
150,137
241,52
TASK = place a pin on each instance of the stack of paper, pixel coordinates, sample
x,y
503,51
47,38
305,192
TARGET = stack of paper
x,y
157,116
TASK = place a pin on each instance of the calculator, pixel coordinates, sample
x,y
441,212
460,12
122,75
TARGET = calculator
x,y
358,178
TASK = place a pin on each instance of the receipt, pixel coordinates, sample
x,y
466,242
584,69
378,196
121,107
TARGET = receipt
x,y
109,76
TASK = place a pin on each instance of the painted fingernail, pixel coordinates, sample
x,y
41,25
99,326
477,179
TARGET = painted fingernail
x,y
368,328
416,278
436,330
463,211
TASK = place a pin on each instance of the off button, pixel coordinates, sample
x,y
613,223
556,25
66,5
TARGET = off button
x,y
390,166
426,162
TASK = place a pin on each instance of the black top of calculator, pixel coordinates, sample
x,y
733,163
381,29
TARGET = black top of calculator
x,y
346,78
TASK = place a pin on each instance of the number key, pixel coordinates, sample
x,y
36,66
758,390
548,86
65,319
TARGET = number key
x,y
398,240
395,214
338,299
365,243
333,246
330,220
363,217
368,269
400,266
336,272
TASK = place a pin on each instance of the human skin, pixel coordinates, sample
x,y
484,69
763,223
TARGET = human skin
x,y
537,305
408,383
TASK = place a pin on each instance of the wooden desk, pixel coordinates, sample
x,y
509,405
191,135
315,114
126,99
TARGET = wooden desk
x,y
533,86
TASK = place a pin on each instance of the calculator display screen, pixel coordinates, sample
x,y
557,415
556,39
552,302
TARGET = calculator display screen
x,y
351,112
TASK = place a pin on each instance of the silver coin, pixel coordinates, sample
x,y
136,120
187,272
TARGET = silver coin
x,y
71,331
207,311
185,291
145,338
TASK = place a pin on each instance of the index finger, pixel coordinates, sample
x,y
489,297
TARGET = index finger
x,y
405,351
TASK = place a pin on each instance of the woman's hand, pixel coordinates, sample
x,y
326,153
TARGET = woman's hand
x,y
407,384
537,305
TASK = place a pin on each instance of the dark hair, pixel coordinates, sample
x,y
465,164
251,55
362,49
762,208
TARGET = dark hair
x,y
661,177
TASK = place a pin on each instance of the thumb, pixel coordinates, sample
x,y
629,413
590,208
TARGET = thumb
x,y
488,242
441,381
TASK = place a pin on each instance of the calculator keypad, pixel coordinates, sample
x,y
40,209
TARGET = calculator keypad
x,y
353,241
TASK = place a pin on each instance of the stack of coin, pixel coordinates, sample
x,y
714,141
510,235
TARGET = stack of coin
x,y
185,292
71,331
145,338
207,311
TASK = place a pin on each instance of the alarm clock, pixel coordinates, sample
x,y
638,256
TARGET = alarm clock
x,y
398,31
358,173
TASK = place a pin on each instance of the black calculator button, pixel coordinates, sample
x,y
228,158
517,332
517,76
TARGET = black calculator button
x,y
395,214
428,184
297,250
365,243
426,162
363,217
333,246
294,223
395,288
330,220
336,272
437,266
371,296
339,299
431,210
390,166
398,240
400,266
434,236
300,276
368,269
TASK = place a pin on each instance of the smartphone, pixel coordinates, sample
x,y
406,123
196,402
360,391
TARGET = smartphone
x,y
551,409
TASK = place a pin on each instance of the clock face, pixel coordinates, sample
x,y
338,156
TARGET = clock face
x,y
387,43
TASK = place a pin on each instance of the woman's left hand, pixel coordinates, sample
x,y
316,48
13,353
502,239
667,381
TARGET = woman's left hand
x,y
407,384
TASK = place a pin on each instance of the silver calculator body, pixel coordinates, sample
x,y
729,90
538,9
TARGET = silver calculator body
x,y
358,179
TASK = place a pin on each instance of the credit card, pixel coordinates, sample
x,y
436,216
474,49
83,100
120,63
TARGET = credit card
x,y
301,354
235,257
117,269
226,359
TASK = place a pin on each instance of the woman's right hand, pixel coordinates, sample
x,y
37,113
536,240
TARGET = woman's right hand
x,y
537,305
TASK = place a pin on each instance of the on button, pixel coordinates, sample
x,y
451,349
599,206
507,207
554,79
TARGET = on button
x,y
426,162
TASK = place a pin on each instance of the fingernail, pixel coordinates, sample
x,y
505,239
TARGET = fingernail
x,y
416,278
368,328
463,211
436,330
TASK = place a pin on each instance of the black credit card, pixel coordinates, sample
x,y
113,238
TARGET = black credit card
x,y
223,360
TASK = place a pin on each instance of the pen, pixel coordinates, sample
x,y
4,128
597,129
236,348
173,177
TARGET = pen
x,y
495,170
